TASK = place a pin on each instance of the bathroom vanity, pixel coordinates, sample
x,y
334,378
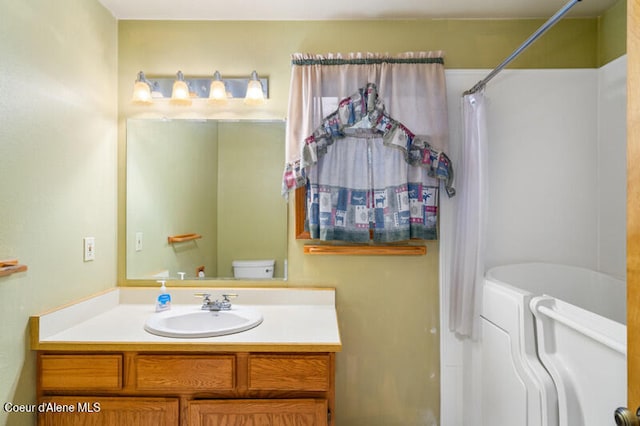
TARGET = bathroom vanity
x,y
94,359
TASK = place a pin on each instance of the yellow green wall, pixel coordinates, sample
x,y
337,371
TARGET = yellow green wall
x,y
198,48
58,163
388,371
612,33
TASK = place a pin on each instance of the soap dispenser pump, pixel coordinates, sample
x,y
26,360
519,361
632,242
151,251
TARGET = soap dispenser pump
x,y
164,298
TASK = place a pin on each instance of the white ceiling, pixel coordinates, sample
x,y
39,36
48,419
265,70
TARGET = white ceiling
x,y
343,9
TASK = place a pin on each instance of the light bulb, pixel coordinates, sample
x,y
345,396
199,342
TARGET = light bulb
x,y
254,95
180,93
141,91
217,90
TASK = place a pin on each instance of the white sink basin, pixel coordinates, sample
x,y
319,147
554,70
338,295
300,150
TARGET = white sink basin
x,y
191,322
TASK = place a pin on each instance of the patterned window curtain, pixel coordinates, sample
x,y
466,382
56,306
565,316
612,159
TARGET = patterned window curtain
x,y
368,136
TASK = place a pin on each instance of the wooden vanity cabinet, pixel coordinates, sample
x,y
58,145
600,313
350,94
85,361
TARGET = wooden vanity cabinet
x,y
186,389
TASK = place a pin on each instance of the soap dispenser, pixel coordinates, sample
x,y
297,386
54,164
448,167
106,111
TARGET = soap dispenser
x,y
164,298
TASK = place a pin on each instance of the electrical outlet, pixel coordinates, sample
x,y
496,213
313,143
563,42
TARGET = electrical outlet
x,y
89,249
138,241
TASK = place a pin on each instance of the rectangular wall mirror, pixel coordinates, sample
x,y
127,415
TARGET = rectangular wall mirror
x,y
219,180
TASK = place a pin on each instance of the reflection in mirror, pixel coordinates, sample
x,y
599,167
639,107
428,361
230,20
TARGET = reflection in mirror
x,y
218,179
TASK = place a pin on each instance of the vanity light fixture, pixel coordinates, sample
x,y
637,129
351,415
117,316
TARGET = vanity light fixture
x,y
180,93
216,90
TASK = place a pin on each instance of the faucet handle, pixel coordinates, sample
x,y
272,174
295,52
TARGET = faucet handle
x,y
206,297
226,303
225,297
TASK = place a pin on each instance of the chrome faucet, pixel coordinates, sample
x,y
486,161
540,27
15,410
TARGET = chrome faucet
x,y
217,305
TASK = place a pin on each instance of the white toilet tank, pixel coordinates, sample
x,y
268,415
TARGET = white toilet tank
x,y
253,268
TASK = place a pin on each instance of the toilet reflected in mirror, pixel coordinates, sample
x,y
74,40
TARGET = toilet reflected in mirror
x,y
253,269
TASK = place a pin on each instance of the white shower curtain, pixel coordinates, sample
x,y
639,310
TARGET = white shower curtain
x,y
469,224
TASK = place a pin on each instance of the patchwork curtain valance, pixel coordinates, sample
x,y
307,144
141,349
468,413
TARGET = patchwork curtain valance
x,y
364,165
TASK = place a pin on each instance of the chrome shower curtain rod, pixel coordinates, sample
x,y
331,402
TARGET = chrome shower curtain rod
x,y
555,18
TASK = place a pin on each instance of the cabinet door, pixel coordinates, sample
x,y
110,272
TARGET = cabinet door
x,y
107,411
258,412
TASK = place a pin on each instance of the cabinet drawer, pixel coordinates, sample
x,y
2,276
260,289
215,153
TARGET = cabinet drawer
x,y
81,372
185,373
289,372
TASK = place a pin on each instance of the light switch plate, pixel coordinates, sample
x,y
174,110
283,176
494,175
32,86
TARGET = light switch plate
x,y
138,241
89,249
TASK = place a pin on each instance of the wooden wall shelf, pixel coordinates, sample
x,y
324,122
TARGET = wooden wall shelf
x,y
11,266
183,238
381,250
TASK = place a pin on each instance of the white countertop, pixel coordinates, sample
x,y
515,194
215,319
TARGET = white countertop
x,y
300,320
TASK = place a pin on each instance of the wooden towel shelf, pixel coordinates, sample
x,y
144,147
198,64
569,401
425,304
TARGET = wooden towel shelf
x,y
182,238
11,266
385,250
